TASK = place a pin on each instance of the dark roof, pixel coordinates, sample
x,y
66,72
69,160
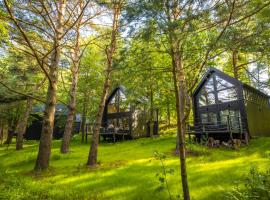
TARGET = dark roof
x,y
120,88
212,70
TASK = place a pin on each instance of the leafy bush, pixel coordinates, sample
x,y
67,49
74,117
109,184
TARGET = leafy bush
x,y
256,187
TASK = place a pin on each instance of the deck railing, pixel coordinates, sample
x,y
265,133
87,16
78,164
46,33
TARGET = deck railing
x,y
230,126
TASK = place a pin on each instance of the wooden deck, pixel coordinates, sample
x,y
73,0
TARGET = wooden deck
x,y
231,129
114,134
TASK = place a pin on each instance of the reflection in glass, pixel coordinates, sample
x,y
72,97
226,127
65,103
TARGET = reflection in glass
x,y
204,118
222,84
227,95
212,118
232,115
209,85
224,116
209,118
206,98
118,103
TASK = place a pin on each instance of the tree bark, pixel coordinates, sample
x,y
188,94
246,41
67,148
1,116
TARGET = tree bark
x,y
1,132
168,113
180,97
23,124
84,118
92,157
181,129
73,91
234,62
42,162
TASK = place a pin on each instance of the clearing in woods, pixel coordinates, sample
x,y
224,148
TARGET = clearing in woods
x,y
127,170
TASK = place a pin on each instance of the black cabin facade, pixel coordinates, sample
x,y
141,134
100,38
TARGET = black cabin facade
x,y
224,107
33,131
123,119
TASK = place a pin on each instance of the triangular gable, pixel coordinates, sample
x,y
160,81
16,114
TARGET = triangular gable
x,y
113,93
219,73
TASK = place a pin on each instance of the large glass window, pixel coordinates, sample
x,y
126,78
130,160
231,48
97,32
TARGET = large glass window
x,y
206,98
204,118
227,95
223,84
209,85
224,116
224,91
212,118
209,118
118,103
233,115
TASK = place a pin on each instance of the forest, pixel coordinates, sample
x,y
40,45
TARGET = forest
x,y
135,99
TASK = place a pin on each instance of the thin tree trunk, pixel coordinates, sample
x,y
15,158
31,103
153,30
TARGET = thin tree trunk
x,y
73,91
1,132
92,157
180,146
168,113
23,124
151,111
11,131
180,96
234,62
44,152
84,118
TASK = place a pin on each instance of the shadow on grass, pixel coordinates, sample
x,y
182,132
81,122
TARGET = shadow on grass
x,y
127,173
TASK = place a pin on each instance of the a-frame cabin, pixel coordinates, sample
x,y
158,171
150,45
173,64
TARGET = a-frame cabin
x,y
224,107
123,119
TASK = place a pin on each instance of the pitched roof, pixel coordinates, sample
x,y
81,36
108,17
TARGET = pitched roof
x,y
213,70
120,88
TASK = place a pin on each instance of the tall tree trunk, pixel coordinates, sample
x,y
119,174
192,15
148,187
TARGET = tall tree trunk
x,y
1,132
168,113
23,124
181,129
84,118
151,111
180,97
44,152
92,157
11,131
73,91
234,62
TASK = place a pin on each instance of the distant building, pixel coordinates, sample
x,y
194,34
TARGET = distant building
x,y
123,119
33,131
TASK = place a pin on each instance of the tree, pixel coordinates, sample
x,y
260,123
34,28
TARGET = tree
x,y
73,88
192,31
47,21
116,6
75,57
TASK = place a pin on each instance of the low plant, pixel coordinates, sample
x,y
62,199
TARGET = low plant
x,y
163,176
256,186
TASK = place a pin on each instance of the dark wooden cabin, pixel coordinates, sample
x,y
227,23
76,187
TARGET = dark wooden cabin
x,y
123,119
225,108
33,130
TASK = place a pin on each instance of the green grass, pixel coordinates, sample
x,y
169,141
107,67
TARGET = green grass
x,y
127,170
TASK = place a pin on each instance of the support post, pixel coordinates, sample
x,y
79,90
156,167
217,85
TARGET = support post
x,y
240,127
229,127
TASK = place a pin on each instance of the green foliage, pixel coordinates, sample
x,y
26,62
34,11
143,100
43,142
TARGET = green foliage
x,y
256,186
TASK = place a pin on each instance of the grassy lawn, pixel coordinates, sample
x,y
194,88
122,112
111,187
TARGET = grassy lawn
x,y
127,170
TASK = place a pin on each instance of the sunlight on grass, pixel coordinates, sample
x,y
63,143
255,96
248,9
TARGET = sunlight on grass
x,y
127,170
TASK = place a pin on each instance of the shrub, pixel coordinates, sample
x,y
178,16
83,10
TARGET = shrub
x,y
256,186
